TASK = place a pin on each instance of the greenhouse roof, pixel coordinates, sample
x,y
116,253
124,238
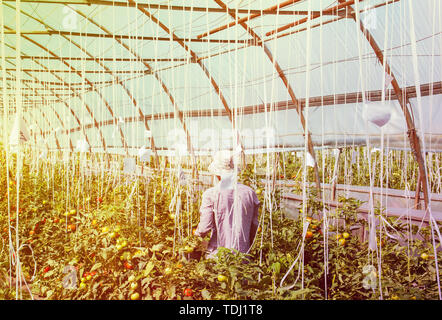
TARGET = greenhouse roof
x,y
194,76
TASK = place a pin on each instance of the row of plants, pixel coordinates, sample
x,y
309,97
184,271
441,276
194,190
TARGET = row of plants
x,y
357,165
396,169
110,236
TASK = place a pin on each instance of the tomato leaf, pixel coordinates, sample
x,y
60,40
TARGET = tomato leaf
x,y
157,247
148,268
96,266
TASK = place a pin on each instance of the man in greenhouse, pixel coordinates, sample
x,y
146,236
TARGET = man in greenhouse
x,y
229,209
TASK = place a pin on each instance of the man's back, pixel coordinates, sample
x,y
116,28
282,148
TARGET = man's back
x,y
231,215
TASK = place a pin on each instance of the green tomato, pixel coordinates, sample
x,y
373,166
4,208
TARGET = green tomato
x,y
135,296
167,271
188,249
134,285
222,278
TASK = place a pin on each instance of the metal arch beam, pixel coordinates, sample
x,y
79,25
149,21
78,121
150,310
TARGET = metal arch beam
x,y
343,4
108,107
338,17
289,89
338,11
117,81
103,59
250,16
126,36
404,102
36,123
157,77
55,94
41,134
73,69
428,89
203,67
35,139
164,7
73,113
123,138
41,131
35,91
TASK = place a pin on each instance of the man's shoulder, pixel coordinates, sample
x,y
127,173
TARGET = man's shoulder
x,y
245,188
241,187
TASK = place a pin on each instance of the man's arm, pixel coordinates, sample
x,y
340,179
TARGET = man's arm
x,y
207,222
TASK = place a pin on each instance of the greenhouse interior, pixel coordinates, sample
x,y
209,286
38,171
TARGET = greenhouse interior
x,y
221,150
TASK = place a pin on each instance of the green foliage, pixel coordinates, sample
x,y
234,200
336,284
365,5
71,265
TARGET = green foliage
x,y
128,236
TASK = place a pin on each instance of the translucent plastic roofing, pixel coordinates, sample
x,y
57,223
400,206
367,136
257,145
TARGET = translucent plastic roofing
x,y
201,75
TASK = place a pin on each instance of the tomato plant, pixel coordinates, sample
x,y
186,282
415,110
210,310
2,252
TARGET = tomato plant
x,y
99,236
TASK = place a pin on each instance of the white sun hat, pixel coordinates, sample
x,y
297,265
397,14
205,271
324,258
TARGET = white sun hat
x,y
222,163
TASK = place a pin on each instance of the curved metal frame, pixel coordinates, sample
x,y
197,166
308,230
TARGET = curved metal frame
x,y
99,94
250,16
35,122
123,139
403,99
150,70
56,113
286,83
195,58
55,94
67,85
404,102
53,109
41,131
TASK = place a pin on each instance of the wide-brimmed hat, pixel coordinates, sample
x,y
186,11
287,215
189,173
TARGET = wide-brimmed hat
x,y
222,163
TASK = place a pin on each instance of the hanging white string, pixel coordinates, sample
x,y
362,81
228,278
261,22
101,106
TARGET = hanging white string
x,y
421,125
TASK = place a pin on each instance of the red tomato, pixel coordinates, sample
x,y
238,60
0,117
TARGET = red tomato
x,y
188,292
47,269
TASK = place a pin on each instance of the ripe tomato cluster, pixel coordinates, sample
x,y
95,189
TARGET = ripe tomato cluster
x,y
313,228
